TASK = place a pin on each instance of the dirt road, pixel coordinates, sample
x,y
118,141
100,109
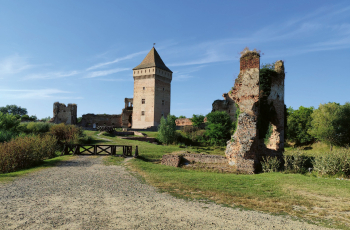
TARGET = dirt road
x,y
85,194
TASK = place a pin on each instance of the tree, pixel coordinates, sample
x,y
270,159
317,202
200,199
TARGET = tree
x,y
8,122
14,110
218,127
167,130
298,123
181,116
330,123
197,120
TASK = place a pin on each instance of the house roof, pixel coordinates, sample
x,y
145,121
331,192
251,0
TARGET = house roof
x,y
152,60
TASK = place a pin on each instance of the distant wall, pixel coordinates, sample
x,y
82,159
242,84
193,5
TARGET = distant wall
x,y
88,120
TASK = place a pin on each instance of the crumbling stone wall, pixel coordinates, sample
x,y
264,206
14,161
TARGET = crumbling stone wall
x,y
64,114
227,105
91,120
183,122
276,99
127,113
246,149
242,150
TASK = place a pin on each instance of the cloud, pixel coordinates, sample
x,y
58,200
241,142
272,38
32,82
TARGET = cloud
x,y
116,79
104,72
51,75
14,64
186,73
130,56
36,94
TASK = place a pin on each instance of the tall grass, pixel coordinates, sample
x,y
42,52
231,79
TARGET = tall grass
x,y
25,152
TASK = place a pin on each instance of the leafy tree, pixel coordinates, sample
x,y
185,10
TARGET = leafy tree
x,y
330,123
218,127
181,116
298,123
197,120
46,119
8,122
14,110
167,130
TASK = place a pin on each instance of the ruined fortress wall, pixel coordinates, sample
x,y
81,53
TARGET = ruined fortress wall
x,y
227,105
64,114
88,120
242,149
276,98
183,122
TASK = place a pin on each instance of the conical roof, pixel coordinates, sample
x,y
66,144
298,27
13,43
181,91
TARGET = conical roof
x,y
152,60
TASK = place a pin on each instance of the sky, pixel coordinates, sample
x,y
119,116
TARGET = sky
x,y
83,52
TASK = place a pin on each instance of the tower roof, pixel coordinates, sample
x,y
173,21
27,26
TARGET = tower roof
x,y
152,60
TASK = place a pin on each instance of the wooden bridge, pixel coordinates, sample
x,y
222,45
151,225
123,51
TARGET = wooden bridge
x,y
77,149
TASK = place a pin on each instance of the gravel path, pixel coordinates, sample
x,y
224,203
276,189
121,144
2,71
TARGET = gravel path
x,y
85,194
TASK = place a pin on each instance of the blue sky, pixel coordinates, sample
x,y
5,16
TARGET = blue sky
x,y
83,52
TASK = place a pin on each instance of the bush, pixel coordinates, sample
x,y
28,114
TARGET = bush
x,y
66,134
24,152
297,162
8,122
218,127
336,162
7,135
270,164
38,127
167,130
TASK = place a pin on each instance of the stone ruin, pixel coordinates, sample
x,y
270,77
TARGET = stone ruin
x,y
68,115
246,149
228,105
64,114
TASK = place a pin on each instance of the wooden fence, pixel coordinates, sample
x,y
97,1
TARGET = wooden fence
x,y
77,149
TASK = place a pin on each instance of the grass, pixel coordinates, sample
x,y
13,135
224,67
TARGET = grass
x,y
112,160
315,149
8,177
155,152
315,199
324,201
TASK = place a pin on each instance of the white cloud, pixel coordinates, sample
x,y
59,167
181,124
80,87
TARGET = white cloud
x,y
130,56
36,94
14,64
51,75
105,72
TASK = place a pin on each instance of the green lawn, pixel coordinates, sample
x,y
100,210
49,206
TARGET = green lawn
x,y
325,201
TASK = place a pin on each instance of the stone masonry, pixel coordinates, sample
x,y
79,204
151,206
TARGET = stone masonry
x,y
152,89
245,150
64,114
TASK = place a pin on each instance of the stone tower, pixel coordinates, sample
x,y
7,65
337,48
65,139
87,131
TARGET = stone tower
x,y
152,86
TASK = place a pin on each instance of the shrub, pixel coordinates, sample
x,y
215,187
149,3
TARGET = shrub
x,y
296,162
66,134
35,127
25,152
270,164
167,130
336,162
7,135
8,122
218,128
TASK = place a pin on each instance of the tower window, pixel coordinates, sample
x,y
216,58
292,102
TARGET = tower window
x,y
143,101
162,102
143,113
144,88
